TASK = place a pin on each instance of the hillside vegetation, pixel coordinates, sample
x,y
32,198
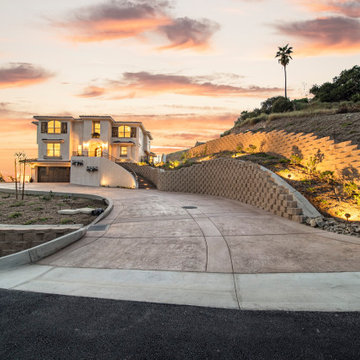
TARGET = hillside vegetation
x,y
333,111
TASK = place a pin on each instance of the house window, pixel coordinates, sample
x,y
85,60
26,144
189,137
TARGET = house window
x,y
124,131
123,151
53,150
96,129
54,127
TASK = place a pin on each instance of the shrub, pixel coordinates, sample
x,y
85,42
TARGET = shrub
x,y
17,204
300,104
350,188
65,221
355,97
327,176
14,215
251,149
295,159
282,105
267,105
29,222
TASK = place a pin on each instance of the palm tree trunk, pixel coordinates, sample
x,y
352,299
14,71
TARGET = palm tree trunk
x,y
285,82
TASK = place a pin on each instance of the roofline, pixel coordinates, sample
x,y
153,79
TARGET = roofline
x,y
103,117
38,117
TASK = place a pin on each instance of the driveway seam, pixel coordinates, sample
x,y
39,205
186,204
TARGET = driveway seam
x,y
34,278
237,293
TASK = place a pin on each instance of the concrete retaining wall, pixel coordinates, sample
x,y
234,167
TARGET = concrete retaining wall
x,y
342,158
229,178
108,173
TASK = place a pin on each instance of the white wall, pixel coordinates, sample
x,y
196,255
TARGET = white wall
x,y
108,174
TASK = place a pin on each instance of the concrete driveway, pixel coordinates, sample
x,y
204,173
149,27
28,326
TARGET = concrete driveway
x,y
154,230
176,233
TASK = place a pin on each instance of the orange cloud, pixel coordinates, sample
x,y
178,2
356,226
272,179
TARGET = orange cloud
x,y
327,34
22,74
92,91
345,7
119,19
143,84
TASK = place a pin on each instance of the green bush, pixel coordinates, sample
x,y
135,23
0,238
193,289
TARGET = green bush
x,y
282,105
350,188
267,105
65,221
300,104
14,215
343,87
355,97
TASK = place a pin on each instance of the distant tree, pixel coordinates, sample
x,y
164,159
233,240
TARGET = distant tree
x,y
266,106
284,57
344,87
2,179
282,105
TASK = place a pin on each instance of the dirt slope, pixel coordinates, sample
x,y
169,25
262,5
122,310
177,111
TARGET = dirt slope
x,y
339,127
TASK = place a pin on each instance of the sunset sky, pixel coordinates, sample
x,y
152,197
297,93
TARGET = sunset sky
x,y
185,68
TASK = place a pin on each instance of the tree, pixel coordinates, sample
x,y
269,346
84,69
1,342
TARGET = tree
x,y
284,55
344,87
20,164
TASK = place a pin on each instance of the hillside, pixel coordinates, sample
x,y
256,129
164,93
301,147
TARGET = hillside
x,y
339,127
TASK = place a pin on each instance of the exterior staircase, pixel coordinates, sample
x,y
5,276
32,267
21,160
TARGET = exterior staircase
x,y
142,182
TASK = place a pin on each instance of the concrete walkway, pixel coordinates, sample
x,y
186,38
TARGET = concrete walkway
x,y
198,250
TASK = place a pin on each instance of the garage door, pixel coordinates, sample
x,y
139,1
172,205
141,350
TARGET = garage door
x,y
53,174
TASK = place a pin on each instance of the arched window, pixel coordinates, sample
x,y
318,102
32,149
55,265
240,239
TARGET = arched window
x,y
124,131
54,127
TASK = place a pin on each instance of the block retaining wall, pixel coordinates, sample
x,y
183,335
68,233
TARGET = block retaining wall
x,y
229,178
13,240
342,158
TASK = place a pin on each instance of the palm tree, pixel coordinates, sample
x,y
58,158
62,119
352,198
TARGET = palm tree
x,y
284,55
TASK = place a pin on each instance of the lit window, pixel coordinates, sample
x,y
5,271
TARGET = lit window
x,y
53,150
123,151
124,131
54,127
96,128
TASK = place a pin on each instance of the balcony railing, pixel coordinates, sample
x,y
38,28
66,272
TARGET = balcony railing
x,y
87,153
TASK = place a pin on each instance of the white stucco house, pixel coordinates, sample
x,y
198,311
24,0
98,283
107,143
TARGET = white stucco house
x,y
88,149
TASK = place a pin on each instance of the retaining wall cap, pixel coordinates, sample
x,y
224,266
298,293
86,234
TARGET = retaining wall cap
x,y
40,227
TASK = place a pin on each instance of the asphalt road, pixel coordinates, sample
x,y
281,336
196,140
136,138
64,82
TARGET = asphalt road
x,y
43,326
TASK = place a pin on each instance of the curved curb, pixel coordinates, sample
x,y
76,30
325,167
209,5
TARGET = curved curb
x,y
37,253
308,209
